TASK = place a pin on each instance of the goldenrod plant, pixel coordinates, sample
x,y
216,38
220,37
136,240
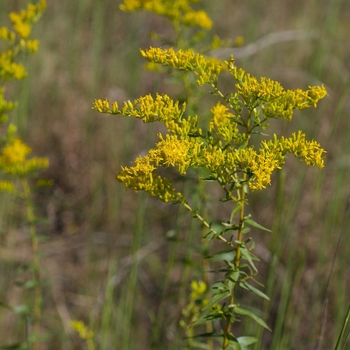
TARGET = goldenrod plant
x,y
18,170
231,150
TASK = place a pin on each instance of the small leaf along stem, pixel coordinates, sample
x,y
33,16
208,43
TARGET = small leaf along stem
x,y
206,224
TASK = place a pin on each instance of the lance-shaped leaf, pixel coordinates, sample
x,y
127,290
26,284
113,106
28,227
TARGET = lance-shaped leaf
x,y
246,285
255,224
216,298
257,319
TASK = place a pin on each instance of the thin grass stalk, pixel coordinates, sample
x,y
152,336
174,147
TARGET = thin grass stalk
x,y
342,331
131,288
35,264
281,337
108,304
97,44
274,249
185,276
160,316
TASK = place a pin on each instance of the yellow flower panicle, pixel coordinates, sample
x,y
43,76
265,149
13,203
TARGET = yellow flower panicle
x,y
275,101
223,149
151,183
170,151
207,70
310,152
176,10
161,108
13,159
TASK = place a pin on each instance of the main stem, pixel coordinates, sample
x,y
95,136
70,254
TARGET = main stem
x,y
236,264
238,248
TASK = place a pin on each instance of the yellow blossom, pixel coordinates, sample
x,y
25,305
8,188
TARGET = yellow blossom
x,y
7,186
221,122
206,69
84,332
13,159
177,10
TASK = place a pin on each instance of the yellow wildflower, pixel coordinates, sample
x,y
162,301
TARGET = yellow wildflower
x,y
177,10
7,186
13,159
221,122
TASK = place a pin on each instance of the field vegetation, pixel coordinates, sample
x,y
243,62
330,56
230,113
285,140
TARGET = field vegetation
x,y
123,262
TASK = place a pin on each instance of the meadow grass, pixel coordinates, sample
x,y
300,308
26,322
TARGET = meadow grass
x,y
93,263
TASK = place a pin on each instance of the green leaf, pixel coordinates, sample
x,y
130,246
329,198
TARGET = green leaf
x,y
216,298
245,341
234,345
246,285
255,224
227,254
206,335
257,319
21,309
30,284
245,230
246,254
235,210
234,275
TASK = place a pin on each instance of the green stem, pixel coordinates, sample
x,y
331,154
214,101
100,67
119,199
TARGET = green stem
x,y
236,263
36,263
237,259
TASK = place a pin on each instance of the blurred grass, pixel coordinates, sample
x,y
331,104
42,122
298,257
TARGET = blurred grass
x,y
90,49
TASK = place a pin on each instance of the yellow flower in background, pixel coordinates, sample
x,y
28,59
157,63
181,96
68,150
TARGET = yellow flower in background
x,y
7,186
197,18
176,10
15,152
84,333
13,159
21,21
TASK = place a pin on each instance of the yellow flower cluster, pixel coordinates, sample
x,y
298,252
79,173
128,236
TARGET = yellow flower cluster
x,y
197,301
275,101
161,108
16,42
23,20
7,186
84,333
207,70
223,149
10,69
154,184
186,146
222,124
170,151
310,152
176,10
13,159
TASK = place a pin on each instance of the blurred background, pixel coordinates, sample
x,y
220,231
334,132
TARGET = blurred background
x,y
122,262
